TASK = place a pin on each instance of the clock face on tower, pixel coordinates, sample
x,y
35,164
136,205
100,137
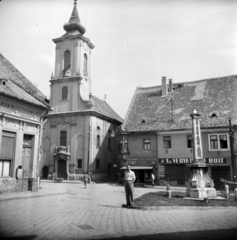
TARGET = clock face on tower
x,y
84,89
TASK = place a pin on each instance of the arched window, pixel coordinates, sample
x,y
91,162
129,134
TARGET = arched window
x,y
85,63
98,141
65,93
63,138
67,58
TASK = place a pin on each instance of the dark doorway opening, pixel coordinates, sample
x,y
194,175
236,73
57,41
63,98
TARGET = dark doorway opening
x,y
62,173
45,172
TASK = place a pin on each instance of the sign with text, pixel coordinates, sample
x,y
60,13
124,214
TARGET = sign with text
x,y
190,160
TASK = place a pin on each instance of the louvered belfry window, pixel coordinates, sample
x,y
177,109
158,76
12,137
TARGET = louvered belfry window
x,y
85,63
67,57
65,93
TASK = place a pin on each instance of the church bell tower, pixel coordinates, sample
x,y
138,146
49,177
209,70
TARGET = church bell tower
x,y
71,83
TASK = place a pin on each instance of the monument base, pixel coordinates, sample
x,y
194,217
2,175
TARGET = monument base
x,y
202,193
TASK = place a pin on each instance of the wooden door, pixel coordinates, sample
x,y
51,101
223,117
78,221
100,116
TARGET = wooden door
x,y
62,173
26,156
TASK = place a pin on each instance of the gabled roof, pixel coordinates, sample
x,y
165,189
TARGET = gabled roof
x,y
215,99
25,87
104,109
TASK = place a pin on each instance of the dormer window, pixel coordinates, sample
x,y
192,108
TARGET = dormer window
x,y
4,82
143,121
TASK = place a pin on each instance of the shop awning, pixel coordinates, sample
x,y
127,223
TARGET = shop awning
x,y
137,167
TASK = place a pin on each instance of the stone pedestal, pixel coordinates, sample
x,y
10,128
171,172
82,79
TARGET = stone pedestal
x,y
202,193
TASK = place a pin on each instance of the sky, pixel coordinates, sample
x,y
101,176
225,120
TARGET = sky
x,y
136,41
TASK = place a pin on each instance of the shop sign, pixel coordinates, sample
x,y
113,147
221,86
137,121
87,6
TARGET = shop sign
x,y
141,161
190,160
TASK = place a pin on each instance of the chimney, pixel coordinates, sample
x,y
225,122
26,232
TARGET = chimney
x,y
164,86
170,85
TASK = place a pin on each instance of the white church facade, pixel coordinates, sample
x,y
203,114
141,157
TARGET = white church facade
x,y
79,134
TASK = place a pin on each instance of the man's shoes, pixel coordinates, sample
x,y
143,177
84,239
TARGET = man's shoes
x,y
124,205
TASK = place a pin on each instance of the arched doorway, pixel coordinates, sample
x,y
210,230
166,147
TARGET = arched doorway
x,y
45,172
62,173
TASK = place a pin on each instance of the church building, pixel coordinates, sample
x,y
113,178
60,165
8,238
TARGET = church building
x,y
79,134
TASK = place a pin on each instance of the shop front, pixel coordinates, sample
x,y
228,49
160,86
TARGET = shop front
x,y
176,172
143,168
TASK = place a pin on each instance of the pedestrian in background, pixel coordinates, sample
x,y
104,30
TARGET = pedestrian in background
x,y
85,179
152,179
129,178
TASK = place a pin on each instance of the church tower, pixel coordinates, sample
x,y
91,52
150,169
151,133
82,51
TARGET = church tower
x,y
71,82
78,134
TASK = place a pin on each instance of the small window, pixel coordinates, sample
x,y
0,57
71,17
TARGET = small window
x,y
63,138
146,144
190,141
98,141
97,164
120,145
79,163
65,93
5,167
85,64
67,59
167,142
126,144
223,141
213,142
109,144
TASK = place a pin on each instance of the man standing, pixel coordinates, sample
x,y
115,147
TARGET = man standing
x,y
152,179
129,180
85,179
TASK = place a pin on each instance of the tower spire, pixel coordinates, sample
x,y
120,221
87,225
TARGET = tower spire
x,y
74,23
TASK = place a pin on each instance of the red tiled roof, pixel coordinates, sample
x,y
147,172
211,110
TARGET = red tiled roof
x,y
9,72
150,111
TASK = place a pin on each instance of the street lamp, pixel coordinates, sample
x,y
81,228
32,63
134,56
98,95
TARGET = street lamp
x,y
231,132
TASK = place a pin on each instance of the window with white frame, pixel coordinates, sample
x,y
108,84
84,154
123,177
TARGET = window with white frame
x,y
218,141
167,142
146,144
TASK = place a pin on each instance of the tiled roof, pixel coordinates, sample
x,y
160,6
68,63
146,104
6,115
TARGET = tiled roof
x,y
104,109
9,72
14,91
150,111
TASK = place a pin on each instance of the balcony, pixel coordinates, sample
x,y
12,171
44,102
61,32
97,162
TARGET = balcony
x,y
62,152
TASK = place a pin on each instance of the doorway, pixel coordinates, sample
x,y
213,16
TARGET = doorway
x,y
62,170
220,172
45,172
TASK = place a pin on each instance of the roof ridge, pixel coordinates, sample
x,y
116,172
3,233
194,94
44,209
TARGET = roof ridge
x,y
195,81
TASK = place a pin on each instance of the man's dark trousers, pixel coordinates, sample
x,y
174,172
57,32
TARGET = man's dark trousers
x,y
129,192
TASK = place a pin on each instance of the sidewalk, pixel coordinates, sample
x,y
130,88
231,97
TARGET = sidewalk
x,y
47,188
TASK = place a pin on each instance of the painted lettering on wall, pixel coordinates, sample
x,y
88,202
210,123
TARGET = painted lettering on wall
x,y
190,160
6,105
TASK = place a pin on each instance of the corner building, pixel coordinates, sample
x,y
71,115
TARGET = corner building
x,y
157,132
79,134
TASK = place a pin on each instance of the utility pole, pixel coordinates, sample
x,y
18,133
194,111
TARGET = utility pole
x,y
231,132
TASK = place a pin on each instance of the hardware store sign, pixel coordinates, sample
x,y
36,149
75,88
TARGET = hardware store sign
x,y
190,160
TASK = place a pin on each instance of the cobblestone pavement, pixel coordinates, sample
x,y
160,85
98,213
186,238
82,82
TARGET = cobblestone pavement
x,y
96,213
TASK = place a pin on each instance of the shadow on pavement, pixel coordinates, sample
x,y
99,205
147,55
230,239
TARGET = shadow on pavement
x,y
221,234
29,237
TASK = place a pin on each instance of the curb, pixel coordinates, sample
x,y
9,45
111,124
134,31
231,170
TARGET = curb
x,y
32,196
162,208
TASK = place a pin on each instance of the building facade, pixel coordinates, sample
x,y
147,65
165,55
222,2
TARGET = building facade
x,y
79,134
22,111
158,129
